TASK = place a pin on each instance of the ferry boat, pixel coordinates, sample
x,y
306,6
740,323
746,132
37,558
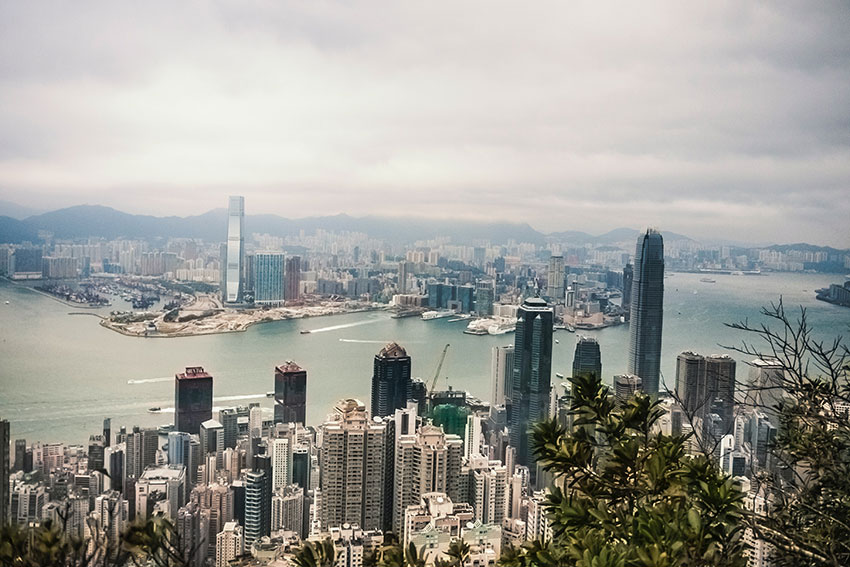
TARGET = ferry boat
x,y
708,280
430,315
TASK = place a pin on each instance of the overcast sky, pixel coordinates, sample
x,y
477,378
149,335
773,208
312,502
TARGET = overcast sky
x,y
716,119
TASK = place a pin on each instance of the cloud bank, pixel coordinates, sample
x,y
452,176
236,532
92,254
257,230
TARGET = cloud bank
x,y
728,120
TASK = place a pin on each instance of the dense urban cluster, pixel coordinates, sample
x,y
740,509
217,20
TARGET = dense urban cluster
x,y
420,465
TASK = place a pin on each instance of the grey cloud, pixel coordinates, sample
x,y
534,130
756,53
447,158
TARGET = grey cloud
x,y
563,113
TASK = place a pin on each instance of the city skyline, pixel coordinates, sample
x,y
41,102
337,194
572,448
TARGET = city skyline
x,y
701,118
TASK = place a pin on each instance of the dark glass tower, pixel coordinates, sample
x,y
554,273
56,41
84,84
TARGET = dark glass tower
x,y
290,393
390,380
193,394
532,376
587,359
647,308
5,465
628,279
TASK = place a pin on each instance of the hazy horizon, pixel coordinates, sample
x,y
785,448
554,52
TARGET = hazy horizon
x,y
729,119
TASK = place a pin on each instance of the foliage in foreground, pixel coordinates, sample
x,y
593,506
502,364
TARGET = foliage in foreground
x,y
808,517
153,542
625,495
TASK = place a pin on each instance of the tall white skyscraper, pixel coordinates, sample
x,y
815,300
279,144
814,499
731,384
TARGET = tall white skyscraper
x,y
281,458
235,250
229,544
472,437
502,366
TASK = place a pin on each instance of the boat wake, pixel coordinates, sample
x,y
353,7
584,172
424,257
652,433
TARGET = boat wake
x,y
345,326
150,380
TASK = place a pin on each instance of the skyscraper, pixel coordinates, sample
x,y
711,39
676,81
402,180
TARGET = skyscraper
x,y
647,309
258,500
705,386
628,279
425,461
720,372
532,375
390,380
625,385
140,453
404,269
290,393
268,278
193,393
354,457
5,465
555,279
293,279
587,359
691,387
107,431
502,367
235,250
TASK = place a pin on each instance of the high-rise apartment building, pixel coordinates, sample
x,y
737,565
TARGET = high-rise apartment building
x,y
290,393
354,468
555,279
390,380
258,499
587,359
229,544
281,458
425,461
293,278
193,393
647,310
501,368
268,278
532,376
235,251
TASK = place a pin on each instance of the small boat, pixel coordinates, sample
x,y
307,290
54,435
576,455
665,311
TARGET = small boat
x,y
305,332
156,409
269,394
7,303
557,342
708,280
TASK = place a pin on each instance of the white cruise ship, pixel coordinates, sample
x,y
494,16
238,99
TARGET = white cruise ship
x,y
428,315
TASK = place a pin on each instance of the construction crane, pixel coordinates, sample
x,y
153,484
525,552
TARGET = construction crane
x,y
439,367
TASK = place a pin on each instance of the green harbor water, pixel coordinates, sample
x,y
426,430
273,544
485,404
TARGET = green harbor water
x,y
61,374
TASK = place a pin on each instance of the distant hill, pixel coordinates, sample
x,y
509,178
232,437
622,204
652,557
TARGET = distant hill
x,y
93,220
616,236
16,211
13,231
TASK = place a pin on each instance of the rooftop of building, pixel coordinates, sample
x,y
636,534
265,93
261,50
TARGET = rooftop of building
x,y
392,350
193,372
165,472
289,366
